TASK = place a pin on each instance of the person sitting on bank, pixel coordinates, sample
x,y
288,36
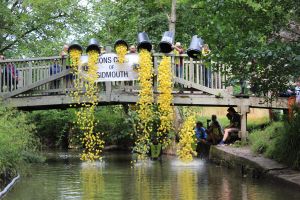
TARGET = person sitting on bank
x,y
234,126
155,149
214,131
201,136
200,132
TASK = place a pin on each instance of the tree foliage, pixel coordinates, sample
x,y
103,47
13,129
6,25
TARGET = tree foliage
x,y
244,35
33,27
124,19
53,127
18,144
247,36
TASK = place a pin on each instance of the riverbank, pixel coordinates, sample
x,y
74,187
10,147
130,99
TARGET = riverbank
x,y
251,164
6,177
8,186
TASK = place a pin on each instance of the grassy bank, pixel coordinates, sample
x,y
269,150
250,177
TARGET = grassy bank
x,y
256,118
279,141
18,144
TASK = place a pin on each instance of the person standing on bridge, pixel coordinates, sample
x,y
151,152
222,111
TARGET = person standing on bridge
x,y
58,67
178,50
65,57
64,52
132,49
234,126
2,69
9,76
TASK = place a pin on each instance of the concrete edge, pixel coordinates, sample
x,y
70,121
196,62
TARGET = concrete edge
x,y
249,166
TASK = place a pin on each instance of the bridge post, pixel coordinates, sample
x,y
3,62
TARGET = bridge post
x,y
191,71
244,109
108,90
64,79
30,73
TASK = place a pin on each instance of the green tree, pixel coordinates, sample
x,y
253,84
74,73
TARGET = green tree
x,y
249,37
245,35
125,18
38,27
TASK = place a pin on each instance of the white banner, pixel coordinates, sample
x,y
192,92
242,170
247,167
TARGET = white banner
x,y
110,70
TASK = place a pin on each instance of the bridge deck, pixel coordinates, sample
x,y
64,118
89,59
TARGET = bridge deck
x,y
117,97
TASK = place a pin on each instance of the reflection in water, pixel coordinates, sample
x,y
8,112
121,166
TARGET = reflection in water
x,y
244,191
187,178
142,186
92,180
225,189
186,184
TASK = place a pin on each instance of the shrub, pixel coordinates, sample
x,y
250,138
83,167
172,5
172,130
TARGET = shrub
x,y
55,126
18,144
280,141
264,140
112,121
52,125
288,144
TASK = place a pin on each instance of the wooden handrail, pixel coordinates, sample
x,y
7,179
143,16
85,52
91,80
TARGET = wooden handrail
x,y
59,57
31,59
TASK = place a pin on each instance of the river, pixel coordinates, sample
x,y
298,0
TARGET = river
x,y
117,178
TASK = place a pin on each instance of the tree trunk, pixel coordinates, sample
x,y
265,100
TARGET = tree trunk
x,y
172,24
172,18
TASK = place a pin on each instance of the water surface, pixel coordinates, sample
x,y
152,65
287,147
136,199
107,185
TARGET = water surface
x,y
117,178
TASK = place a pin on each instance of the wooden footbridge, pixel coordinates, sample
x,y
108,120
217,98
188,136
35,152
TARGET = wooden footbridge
x,y
45,83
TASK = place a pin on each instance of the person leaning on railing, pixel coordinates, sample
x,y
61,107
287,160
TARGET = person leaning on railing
x,y
65,56
57,68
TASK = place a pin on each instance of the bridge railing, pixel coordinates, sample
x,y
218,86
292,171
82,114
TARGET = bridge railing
x,y
19,74
193,71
